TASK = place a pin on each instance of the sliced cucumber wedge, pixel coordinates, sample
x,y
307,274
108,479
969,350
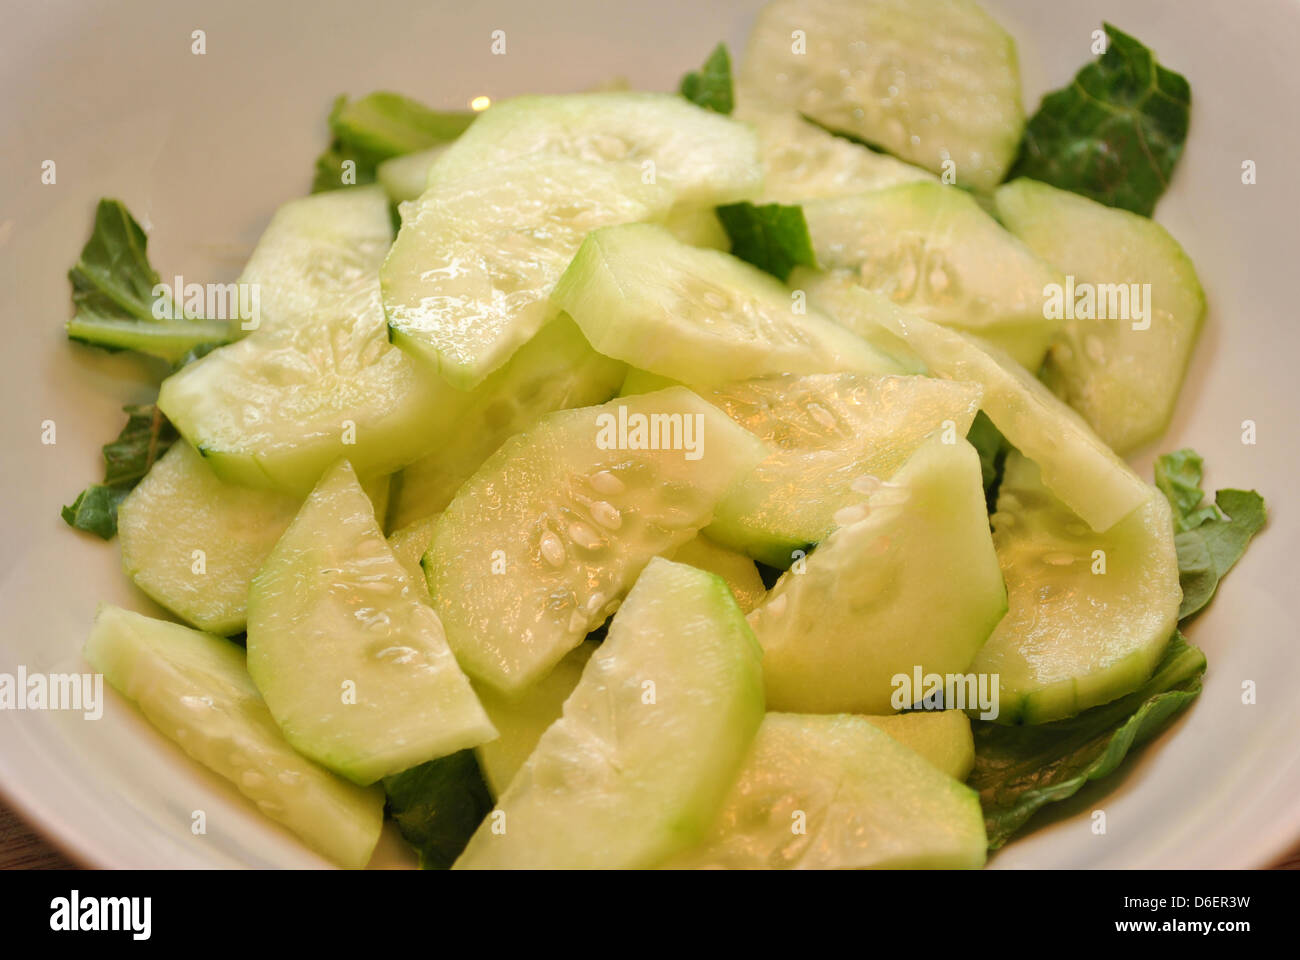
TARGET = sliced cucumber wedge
x,y
1120,370
194,688
702,156
830,433
555,370
931,81
801,161
1090,614
736,569
194,543
406,177
933,250
278,407
352,663
468,279
319,253
941,736
540,545
649,741
913,583
409,544
521,720
1077,466
508,204
698,316
835,792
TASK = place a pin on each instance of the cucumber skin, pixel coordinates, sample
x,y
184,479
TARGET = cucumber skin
x,y
340,820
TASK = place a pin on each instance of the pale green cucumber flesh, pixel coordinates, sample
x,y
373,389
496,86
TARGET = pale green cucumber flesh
x,y
941,736
352,662
555,370
649,741
1089,613
521,720
911,582
1121,371
1078,467
801,161
195,689
409,544
935,82
406,177
827,792
703,157
540,545
931,249
468,280
736,569
698,316
320,382
828,433
194,543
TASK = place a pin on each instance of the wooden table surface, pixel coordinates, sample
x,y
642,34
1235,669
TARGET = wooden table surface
x,y
23,849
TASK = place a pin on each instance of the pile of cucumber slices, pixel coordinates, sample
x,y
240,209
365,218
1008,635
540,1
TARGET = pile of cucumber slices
x,y
591,477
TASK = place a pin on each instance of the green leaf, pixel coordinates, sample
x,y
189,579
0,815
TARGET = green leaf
x,y
438,805
1018,770
1209,538
1115,134
378,127
773,237
1208,552
144,439
1178,475
115,307
992,448
710,86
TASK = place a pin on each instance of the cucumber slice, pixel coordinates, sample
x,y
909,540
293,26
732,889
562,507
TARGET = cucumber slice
x,y
736,569
409,545
1124,381
698,316
930,81
931,249
1077,633
829,434
194,543
193,687
861,798
540,545
642,381
468,279
703,157
520,721
802,161
698,227
1077,466
406,177
321,382
649,741
353,665
941,736
554,370
914,583
319,253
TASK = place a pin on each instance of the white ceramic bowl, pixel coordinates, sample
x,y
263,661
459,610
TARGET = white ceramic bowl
x,y
203,148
